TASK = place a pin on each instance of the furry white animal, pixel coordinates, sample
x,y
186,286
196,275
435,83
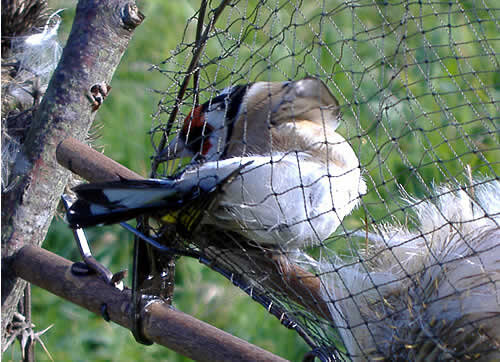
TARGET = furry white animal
x,y
428,294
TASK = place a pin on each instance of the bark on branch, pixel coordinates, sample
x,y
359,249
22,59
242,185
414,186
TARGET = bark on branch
x,y
100,34
161,323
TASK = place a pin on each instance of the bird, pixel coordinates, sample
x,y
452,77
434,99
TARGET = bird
x,y
429,293
296,180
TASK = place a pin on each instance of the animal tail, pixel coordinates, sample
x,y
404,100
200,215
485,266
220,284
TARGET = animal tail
x,y
170,200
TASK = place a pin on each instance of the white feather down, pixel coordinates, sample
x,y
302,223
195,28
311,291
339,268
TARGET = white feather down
x,y
289,200
430,293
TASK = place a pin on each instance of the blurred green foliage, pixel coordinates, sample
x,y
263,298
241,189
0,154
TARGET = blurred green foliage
x,y
414,113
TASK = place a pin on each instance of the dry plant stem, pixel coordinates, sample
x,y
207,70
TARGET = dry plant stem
x,y
161,323
100,34
199,30
29,350
200,46
300,285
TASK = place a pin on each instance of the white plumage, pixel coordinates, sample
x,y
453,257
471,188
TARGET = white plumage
x,y
426,294
284,200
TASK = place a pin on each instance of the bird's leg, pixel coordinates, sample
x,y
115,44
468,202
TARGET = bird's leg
x,y
154,243
90,264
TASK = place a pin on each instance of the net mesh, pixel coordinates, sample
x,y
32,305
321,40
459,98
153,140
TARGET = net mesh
x,y
413,271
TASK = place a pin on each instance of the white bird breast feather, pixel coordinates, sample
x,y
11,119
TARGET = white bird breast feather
x,y
284,199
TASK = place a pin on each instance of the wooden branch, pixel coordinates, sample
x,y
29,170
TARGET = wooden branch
x,y
93,166
100,34
300,285
161,323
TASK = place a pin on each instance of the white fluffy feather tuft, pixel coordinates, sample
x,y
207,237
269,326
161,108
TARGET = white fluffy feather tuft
x,y
38,56
428,293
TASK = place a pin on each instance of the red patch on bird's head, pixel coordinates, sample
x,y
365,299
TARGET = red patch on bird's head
x,y
194,119
195,132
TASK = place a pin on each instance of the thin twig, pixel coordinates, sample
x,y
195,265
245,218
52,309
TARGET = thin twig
x,y
29,349
199,30
200,47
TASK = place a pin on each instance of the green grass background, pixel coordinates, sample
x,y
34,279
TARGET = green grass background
x,y
399,141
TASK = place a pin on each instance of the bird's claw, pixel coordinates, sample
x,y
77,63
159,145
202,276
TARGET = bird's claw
x,y
83,268
90,265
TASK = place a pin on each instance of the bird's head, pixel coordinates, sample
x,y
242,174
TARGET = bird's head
x,y
240,118
207,127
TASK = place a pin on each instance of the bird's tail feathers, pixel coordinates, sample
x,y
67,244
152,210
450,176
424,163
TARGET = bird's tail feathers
x,y
85,214
170,200
117,201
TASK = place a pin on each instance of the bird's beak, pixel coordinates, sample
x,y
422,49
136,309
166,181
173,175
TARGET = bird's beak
x,y
175,149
